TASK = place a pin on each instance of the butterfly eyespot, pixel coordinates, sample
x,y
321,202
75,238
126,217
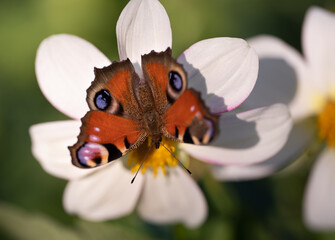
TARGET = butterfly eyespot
x,y
201,131
211,129
175,81
102,99
92,155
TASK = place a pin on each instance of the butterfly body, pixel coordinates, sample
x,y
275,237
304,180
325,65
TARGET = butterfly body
x,y
126,109
151,117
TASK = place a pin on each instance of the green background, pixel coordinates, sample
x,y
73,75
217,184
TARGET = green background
x,y
31,200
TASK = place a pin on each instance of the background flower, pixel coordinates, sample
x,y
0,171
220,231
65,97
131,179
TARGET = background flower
x,y
268,208
306,84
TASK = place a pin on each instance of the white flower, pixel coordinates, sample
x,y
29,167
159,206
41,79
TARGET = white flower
x,y
307,85
224,70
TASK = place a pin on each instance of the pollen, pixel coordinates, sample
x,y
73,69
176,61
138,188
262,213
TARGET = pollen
x,y
326,123
156,159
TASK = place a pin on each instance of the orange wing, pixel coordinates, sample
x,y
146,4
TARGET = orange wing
x,y
103,138
113,90
111,129
165,76
189,121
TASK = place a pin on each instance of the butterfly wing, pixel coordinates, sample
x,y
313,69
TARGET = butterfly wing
x,y
166,77
185,116
113,90
103,138
112,127
189,120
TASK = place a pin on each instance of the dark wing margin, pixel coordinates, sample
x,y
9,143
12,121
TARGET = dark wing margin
x,y
189,120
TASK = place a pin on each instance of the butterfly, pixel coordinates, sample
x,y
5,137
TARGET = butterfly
x,y
126,109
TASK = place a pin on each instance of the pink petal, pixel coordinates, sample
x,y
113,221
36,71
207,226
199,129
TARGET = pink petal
x,y
319,208
173,198
247,137
143,26
283,78
64,70
224,70
50,142
318,42
301,136
106,194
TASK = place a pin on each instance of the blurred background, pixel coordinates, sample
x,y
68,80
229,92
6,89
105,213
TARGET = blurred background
x,y
31,200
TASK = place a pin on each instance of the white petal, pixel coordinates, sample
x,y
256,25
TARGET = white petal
x,y
283,78
224,70
319,208
173,198
50,142
247,137
64,70
318,42
143,26
300,138
105,194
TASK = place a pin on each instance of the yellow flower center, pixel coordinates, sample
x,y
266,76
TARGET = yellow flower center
x,y
326,123
155,159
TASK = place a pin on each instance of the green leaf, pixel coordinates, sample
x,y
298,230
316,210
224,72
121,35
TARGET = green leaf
x,y
109,230
20,224
218,195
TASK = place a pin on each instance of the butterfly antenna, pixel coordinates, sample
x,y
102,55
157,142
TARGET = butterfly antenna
x,y
181,164
145,157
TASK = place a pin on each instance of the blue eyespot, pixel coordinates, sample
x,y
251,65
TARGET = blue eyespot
x,y
102,99
175,81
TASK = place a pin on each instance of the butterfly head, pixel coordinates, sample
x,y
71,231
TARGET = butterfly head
x,y
156,140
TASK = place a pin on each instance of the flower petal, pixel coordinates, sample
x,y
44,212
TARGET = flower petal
x,y
64,69
247,137
172,198
318,42
106,194
300,137
143,26
283,78
50,142
224,70
319,208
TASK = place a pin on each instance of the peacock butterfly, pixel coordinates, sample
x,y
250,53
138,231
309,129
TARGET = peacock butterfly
x,y
125,109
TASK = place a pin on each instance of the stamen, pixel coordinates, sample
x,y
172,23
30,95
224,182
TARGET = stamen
x,y
156,159
326,123
181,164
142,163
